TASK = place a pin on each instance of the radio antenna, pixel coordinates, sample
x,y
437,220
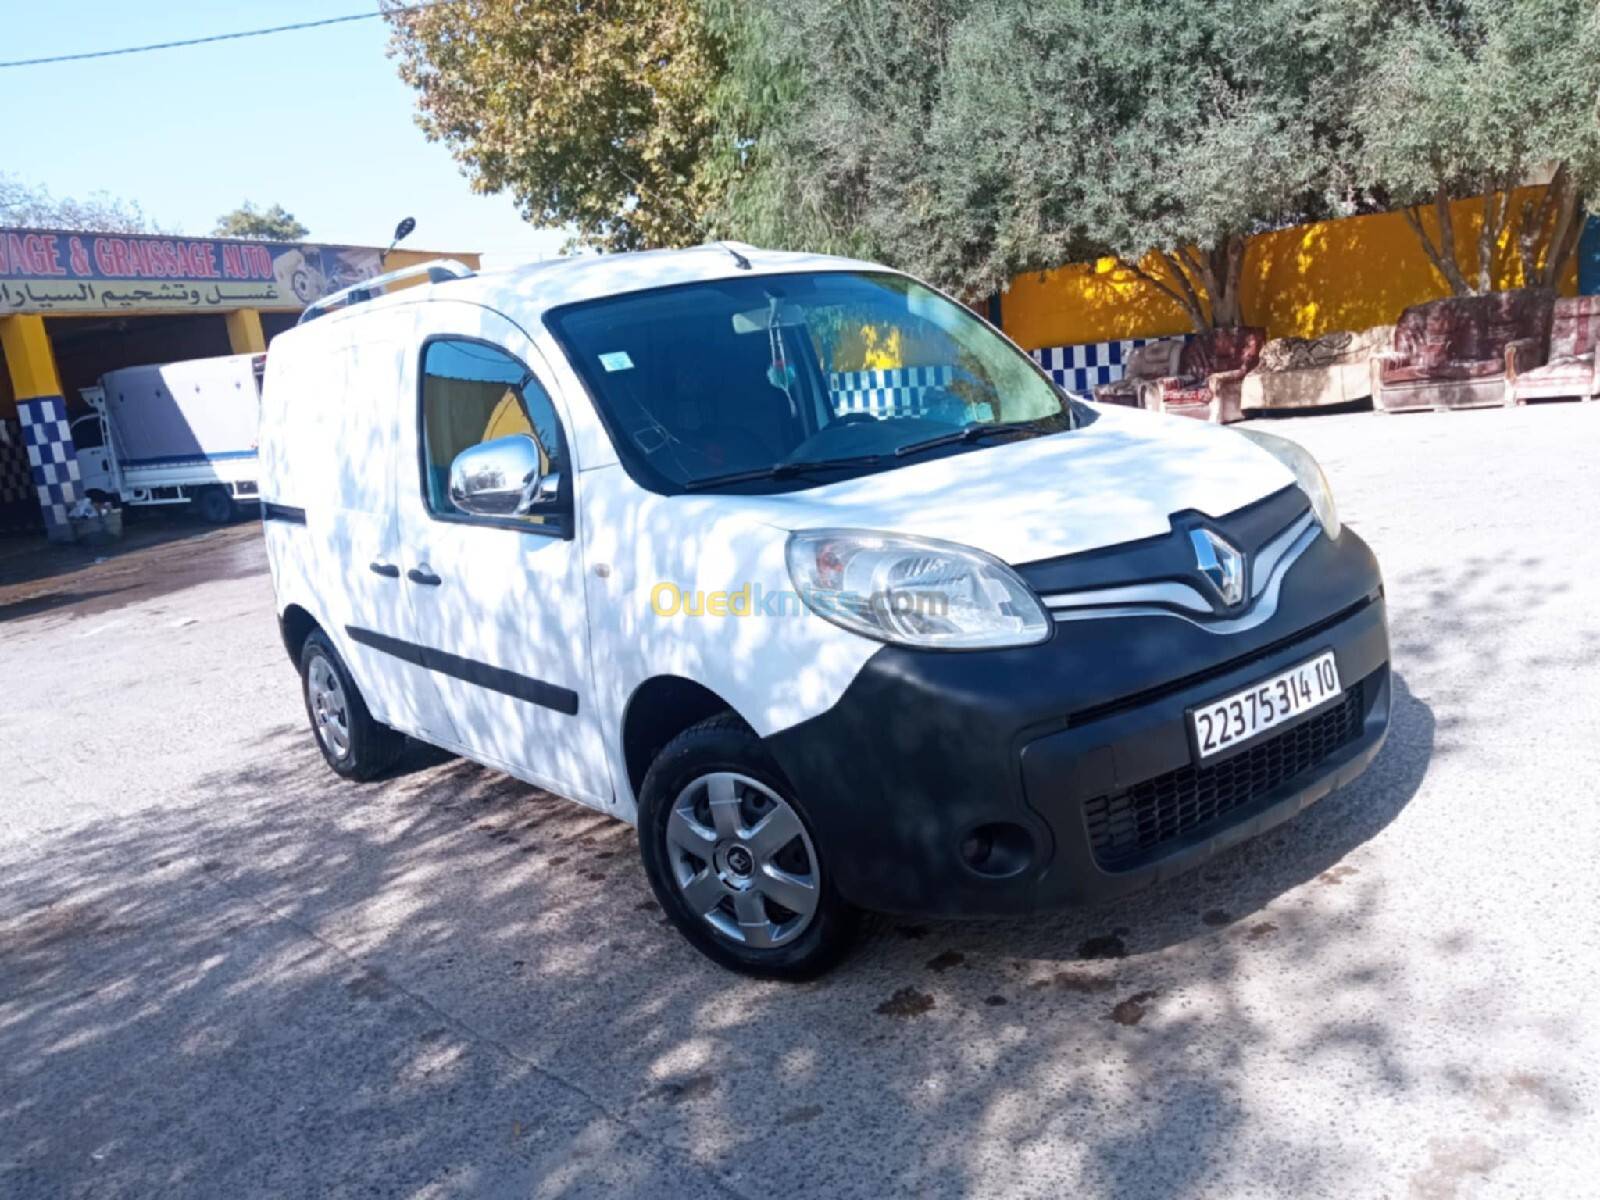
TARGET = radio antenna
x,y
739,260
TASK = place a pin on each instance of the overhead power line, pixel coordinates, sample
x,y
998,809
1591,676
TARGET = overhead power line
x,y
216,37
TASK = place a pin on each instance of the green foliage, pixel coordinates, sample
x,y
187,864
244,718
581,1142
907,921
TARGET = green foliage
x,y
969,140
593,116
1468,97
271,225
27,206
756,167
830,127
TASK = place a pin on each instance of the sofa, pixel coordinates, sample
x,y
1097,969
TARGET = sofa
x,y
1451,353
1149,361
1319,372
1211,373
1569,367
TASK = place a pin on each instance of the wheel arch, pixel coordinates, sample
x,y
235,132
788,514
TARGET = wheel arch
x,y
296,625
661,708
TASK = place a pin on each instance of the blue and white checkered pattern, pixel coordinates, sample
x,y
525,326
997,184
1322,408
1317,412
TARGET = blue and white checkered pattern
x,y
1079,369
896,392
16,480
53,459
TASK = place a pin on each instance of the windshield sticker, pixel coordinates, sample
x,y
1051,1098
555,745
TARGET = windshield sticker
x,y
616,360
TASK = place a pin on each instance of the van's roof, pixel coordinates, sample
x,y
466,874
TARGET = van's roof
x,y
534,288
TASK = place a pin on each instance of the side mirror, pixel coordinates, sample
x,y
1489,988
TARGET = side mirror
x,y
502,478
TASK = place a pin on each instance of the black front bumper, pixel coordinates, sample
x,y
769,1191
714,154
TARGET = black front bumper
x,y
1079,750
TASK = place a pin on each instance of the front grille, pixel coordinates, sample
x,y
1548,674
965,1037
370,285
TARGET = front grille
x,y
1127,826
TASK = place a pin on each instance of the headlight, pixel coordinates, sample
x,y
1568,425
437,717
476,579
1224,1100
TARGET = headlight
x,y
913,591
1306,473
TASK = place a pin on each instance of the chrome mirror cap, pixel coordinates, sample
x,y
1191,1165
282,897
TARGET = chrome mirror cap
x,y
500,478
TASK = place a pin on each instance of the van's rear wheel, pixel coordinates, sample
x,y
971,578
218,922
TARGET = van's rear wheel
x,y
354,744
214,505
732,858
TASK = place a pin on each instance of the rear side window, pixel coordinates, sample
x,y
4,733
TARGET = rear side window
x,y
473,393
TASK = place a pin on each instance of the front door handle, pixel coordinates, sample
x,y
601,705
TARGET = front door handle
x,y
387,570
423,576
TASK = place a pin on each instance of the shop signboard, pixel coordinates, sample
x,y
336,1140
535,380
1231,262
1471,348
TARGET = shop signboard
x,y
55,271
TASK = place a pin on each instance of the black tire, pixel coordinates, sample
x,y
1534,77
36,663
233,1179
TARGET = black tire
x,y
361,749
725,745
214,505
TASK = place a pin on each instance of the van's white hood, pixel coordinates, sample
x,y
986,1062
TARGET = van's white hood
x,y
1118,479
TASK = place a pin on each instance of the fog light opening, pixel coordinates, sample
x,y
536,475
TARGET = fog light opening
x,y
997,850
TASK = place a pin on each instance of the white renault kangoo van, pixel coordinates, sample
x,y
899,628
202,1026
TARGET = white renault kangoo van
x,y
808,572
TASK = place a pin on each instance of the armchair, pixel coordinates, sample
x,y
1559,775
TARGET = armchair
x,y
1452,353
1211,373
1315,372
1149,361
1570,368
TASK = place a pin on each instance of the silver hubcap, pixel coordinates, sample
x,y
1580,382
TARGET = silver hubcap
x,y
329,712
742,859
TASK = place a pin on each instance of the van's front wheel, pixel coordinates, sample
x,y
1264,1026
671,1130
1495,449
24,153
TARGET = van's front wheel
x,y
732,859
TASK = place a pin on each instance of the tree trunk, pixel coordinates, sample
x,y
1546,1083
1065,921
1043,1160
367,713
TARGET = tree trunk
x,y
1193,288
1548,232
1206,284
1534,221
1443,253
1496,201
1227,302
1563,248
1180,290
1564,237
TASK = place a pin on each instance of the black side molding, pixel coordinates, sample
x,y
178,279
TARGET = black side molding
x,y
496,679
282,512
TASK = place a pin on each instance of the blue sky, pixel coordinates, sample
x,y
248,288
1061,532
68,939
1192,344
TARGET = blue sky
x,y
315,120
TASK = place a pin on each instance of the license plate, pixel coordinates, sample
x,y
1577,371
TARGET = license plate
x,y
1223,724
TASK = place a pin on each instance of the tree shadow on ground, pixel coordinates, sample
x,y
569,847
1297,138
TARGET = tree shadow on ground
x,y
450,982
471,979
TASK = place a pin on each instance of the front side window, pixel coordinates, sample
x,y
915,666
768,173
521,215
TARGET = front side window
x,y
474,393
781,381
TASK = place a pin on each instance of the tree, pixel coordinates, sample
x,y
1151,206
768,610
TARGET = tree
x,y
759,189
970,140
596,117
1478,97
833,125
270,225
28,206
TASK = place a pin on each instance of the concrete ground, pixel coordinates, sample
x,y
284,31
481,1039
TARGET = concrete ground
x,y
225,973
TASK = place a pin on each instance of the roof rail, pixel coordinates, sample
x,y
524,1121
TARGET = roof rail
x,y
439,270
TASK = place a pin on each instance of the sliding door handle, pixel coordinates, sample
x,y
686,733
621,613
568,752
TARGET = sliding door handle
x,y
423,576
387,570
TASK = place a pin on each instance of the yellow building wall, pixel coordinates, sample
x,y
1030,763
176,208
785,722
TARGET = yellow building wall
x,y
1299,282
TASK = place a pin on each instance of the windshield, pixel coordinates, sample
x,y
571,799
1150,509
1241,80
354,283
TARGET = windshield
x,y
781,381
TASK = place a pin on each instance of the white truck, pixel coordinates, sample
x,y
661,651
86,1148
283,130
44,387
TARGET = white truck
x,y
176,433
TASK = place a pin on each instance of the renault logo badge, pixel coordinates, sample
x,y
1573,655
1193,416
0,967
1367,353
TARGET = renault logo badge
x,y
1221,563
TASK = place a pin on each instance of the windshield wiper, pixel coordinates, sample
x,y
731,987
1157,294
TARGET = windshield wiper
x,y
786,470
973,433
